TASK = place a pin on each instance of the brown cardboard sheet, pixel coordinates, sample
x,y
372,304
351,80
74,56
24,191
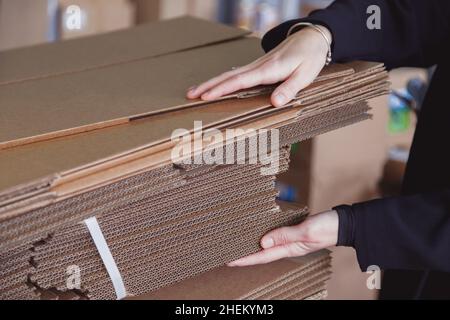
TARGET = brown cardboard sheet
x,y
104,200
47,108
59,155
144,41
97,99
232,283
319,121
75,235
160,270
317,276
128,251
66,153
159,213
148,159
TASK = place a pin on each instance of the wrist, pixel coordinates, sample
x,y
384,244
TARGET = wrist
x,y
319,39
323,228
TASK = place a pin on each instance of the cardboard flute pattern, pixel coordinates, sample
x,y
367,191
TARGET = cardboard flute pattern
x,y
91,204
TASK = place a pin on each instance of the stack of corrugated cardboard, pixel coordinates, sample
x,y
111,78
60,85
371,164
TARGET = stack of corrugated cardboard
x,y
290,279
89,188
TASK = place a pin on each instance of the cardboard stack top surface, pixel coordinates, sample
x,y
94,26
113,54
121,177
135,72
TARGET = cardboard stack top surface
x,y
85,131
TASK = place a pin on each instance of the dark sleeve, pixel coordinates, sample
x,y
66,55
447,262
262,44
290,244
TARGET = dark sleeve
x,y
413,32
404,233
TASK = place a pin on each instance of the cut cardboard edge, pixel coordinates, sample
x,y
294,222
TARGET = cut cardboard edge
x,y
356,119
256,112
271,274
55,180
268,121
65,186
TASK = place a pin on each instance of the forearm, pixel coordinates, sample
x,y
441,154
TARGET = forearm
x,y
408,233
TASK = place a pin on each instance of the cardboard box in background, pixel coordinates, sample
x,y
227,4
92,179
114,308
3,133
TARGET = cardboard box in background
x,y
165,9
295,185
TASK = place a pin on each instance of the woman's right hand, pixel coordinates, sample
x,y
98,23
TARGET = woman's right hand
x,y
297,61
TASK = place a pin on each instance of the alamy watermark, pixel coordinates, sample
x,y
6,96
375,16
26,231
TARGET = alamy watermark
x,y
374,280
73,18
234,146
374,19
73,281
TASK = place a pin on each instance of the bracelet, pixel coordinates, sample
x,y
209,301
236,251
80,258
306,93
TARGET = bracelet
x,y
308,24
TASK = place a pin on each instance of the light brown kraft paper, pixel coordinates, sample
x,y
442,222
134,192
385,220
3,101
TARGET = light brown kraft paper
x,y
249,191
145,41
213,249
163,93
77,235
142,247
166,211
229,283
165,208
281,293
205,263
175,246
124,135
312,267
4,215
306,289
164,156
120,241
85,204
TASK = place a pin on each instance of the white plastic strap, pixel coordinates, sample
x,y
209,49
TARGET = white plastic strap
x,y
108,260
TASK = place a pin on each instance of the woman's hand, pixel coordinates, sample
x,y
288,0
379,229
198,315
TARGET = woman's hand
x,y
316,233
297,61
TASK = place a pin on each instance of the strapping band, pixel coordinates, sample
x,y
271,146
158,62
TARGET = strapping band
x,y
107,258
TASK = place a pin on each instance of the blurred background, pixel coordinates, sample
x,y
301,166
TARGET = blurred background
x,y
351,165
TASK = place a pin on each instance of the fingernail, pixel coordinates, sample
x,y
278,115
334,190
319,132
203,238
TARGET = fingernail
x,y
280,99
233,264
268,243
206,96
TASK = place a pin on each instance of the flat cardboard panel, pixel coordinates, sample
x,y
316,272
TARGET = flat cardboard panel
x,y
144,41
88,100
100,98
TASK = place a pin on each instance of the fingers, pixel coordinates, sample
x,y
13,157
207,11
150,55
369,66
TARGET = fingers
x,y
287,91
197,92
271,255
282,236
235,83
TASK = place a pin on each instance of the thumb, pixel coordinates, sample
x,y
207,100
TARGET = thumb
x,y
301,78
283,236
288,90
